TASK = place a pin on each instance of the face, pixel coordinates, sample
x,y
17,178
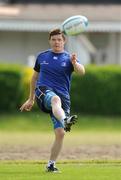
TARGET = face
x,y
57,43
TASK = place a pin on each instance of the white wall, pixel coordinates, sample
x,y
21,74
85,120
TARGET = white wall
x,y
108,47
112,49
15,47
119,47
75,45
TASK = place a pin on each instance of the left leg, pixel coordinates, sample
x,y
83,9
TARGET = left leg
x,y
56,148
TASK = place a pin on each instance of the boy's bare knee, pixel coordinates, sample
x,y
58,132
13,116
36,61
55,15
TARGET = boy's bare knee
x,y
55,100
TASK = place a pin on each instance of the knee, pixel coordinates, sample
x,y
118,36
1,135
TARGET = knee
x,y
55,100
59,133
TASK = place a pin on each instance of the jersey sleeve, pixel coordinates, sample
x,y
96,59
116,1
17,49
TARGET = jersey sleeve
x,y
37,65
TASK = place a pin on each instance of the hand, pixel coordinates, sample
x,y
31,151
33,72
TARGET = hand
x,y
73,58
27,106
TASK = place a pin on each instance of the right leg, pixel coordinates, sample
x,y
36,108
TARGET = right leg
x,y
57,110
59,113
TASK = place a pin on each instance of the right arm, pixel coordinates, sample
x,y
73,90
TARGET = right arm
x,y
30,102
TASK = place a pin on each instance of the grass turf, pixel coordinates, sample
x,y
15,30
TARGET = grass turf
x,y
69,171
92,129
36,121
36,127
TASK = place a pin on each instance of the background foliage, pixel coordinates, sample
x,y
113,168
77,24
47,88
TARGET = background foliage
x,y
98,92
11,89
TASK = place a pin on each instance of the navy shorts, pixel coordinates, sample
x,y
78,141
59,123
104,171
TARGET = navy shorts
x,y
46,102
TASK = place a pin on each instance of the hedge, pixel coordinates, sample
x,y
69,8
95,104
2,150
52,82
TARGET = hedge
x,y
97,92
10,87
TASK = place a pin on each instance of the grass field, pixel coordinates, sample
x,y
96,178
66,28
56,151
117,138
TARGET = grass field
x,y
69,171
23,133
40,122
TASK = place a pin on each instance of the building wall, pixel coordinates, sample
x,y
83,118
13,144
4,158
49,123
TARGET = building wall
x,y
118,47
16,47
21,47
108,47
76,45
63,1
112,49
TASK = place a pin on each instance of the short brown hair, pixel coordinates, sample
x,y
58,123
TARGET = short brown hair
x,y
56,32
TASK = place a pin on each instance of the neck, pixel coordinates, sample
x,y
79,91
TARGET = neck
x,y
57,51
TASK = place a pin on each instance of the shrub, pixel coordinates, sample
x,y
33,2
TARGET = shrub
x,y
97,92
10,87
27,74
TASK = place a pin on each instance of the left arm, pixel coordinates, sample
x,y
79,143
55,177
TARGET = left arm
x,y
78,68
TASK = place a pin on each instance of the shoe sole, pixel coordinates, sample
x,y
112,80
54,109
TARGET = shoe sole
x,y
52,171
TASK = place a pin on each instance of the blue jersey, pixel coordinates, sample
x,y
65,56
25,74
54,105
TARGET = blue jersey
x,y
55,71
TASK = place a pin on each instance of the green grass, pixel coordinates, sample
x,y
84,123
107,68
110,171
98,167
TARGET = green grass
x,y
36,128
32,129
69,171
41,122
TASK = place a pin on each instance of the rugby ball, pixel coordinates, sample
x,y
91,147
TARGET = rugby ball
x,y
74,25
